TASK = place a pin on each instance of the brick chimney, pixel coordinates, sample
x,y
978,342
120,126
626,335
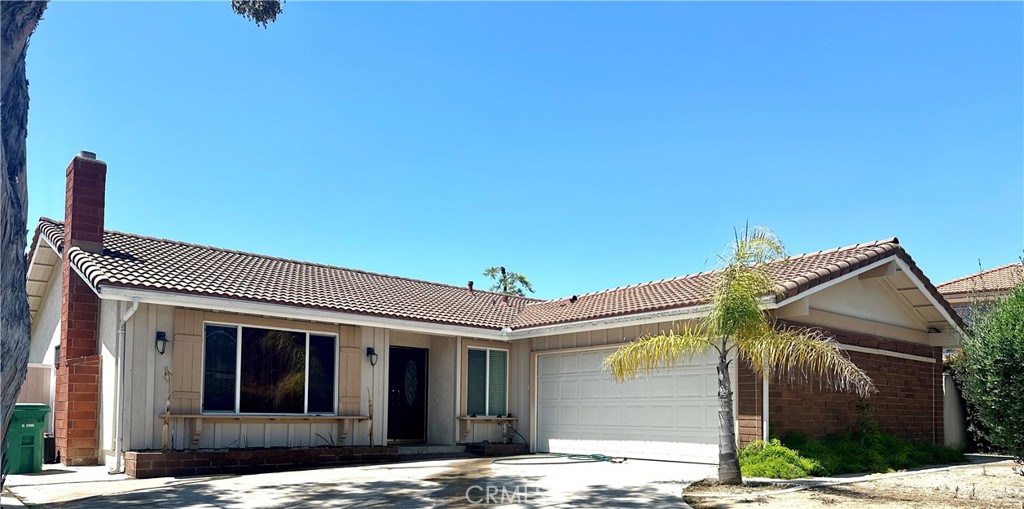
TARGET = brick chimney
x,y
76,418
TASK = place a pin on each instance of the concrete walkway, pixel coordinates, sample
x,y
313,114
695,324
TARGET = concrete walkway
x,y
527,481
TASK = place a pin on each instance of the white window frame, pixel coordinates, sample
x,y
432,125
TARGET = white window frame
x,y
487,377
238,371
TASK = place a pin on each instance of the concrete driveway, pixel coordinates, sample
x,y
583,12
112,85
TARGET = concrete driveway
x,y
525,481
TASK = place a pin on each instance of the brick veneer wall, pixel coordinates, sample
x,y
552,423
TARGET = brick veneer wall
x,y
908,403
144,465
77,402
749,404
76,417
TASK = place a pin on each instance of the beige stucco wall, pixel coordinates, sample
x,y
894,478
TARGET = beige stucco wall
x,y
866,299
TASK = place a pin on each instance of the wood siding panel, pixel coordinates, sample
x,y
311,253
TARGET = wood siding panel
x,y
186,351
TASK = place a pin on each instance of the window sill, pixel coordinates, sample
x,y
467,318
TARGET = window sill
x,y
268,417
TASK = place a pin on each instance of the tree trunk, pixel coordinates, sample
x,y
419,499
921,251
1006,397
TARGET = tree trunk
x,y
728,460
17,22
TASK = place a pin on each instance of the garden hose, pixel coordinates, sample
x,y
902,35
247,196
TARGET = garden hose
x,y
573,458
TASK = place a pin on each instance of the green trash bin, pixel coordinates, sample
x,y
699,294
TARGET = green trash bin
x,y
25,438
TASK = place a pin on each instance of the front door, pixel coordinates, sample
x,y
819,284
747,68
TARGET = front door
x,y
407,394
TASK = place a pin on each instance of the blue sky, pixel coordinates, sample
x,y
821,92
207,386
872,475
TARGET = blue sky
x,y
586,145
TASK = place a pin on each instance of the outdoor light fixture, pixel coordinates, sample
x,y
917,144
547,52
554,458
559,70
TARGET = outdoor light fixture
x,y
372,355
161,341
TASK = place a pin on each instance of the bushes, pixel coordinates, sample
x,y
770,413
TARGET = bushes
x,y
847,453
774,460
867,450
992,378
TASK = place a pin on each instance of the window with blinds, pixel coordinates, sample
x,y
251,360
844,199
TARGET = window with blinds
x,y
487,382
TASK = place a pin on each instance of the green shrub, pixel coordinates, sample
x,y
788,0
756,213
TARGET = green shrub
x,y
848,453
772,459
993,380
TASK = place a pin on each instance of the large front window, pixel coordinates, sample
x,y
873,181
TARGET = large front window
x,y
487,388
268,371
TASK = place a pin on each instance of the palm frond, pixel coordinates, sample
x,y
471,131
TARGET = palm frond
x,y
649,353
737,307
804,356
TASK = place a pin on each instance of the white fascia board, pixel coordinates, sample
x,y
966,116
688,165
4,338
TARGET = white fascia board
x,y
294,312
931,298
617,321
833,282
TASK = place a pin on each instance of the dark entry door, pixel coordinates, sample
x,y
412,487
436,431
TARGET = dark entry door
x,y
407,394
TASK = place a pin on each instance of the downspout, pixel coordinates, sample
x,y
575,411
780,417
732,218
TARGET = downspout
x,y
119,387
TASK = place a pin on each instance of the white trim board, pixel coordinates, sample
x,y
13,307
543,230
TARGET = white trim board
x,y
888,353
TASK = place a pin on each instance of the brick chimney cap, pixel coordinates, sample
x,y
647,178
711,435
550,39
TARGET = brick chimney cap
x,y
85,154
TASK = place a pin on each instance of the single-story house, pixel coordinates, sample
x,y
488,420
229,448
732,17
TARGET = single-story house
x,y
242,352
983,288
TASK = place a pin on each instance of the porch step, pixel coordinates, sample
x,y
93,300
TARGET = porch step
x,y
427,451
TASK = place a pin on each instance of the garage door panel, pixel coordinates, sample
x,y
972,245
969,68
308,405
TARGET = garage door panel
x,y
548,365
569,416
591,362
591,388
669,415
570,364
711,417
691,385
568,389
548,415
711,385
662,387
548,390
691,415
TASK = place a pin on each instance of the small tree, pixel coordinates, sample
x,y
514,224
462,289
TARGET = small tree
x,y
507,282
992,374
738,324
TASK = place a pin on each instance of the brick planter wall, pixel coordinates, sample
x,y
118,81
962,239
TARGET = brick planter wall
x,y
496,449
143,465
908,403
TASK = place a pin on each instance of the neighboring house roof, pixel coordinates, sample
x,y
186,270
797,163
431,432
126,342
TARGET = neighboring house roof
x,y
999,279
135,261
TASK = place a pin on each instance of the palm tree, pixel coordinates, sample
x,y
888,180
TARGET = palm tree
x,y
508,282
738,325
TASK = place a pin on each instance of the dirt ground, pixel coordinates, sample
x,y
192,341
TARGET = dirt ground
x,y
992,485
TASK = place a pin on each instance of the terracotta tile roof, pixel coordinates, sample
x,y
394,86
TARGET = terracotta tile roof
x,y
795,275
134,261
999,279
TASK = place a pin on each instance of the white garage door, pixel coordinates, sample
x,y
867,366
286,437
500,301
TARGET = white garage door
x,y
670,415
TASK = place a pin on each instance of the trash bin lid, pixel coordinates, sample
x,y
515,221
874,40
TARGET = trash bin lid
x,y
29,410
31,406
